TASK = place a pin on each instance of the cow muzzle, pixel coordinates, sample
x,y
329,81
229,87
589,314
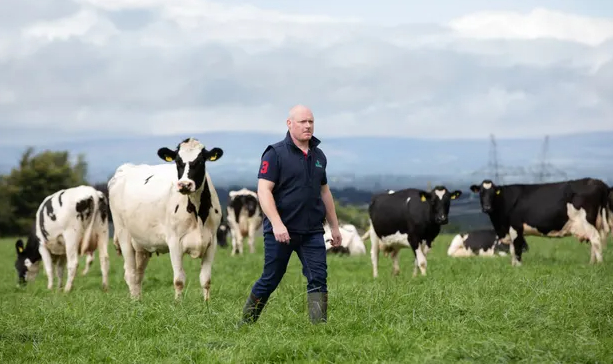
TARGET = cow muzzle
x,y
442,220
185,187
486,208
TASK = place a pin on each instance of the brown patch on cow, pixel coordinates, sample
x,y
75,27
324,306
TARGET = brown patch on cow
x,y
207,285
179,285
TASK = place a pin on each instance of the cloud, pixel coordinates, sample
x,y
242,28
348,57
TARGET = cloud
x,y
152,67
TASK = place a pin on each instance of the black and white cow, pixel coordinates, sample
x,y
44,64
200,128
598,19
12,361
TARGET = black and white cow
x,y
408,218
69,223
482,242
167,208
244,218
352,244
222,233
576,207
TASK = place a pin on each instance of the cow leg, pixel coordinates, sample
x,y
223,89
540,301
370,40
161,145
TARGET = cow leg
x,y
374,252
103,257
395,255
596,245
420,257
205,269
176,258
60,264
47,262
129,260
518,248
251,237
88,262
72,258
141,259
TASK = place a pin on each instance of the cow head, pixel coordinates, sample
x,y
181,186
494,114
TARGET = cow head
x,y
487,192
440,200
27,263
190,157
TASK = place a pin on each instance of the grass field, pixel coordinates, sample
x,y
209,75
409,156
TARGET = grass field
x,y
555,308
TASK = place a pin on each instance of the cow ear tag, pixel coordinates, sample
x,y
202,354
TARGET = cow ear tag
x,y
423,198
168,159
498,192
20,249
213,157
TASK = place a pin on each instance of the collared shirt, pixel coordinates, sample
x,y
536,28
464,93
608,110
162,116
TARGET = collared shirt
x,y
298,177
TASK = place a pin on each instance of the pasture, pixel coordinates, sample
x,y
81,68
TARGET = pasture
x,y
555,308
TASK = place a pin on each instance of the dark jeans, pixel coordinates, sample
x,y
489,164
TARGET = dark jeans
x,y
311,251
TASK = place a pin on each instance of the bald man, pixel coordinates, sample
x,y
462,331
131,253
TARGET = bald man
x,y
296,200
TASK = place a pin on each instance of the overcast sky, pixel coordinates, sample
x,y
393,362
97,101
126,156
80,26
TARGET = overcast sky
x,y
440,69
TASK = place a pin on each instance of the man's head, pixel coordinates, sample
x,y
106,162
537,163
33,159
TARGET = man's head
x,y
301,123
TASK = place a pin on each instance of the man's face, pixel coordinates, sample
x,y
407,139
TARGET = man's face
x,y
303,126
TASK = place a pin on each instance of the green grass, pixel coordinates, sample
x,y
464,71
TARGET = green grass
x,y
555,308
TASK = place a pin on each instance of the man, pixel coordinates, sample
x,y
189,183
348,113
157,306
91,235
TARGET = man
x,y
295,198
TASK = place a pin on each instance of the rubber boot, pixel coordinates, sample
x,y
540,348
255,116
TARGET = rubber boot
x,y
318,306
252,309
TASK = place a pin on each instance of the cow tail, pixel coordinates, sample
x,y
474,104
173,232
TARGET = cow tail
x,y
87,236
367,233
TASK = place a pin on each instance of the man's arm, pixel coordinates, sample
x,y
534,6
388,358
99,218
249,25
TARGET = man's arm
x,y
267,201
326,197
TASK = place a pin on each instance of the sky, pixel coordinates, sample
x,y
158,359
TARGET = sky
x,y
439,69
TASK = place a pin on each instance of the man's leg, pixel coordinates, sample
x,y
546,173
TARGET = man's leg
x,y
276,257
312,254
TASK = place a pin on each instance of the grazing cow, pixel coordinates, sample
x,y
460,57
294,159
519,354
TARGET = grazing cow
x,y
576,207
69,223
482,242
352,243
244,218
407,218
167,208
222,234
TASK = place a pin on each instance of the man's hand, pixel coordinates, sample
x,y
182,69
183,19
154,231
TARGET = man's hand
x,y
337,238
281,234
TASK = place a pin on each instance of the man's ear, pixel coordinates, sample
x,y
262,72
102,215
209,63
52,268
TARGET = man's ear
x,y
19,246
424,196
167,154
214,154
475,188
456,194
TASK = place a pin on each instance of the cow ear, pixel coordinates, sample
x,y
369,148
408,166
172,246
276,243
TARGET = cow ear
x,y
214,154
167,154
456,194
19,246
423,196
474,188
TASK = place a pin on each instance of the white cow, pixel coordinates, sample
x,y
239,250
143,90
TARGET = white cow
x,y
244,218
352,242
69,223
166,208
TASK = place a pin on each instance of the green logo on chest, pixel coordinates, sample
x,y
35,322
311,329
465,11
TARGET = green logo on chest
x,y
317,164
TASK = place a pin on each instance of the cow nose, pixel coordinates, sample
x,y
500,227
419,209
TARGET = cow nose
x,y
185,186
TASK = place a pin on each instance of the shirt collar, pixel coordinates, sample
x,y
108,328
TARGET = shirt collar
x,y
314,142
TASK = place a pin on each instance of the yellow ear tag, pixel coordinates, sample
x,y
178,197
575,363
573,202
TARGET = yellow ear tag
x,y
168,159
213,157
453,197
423,198
20,249
498,192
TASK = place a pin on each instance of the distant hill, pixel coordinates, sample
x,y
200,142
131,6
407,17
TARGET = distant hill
x,y
353,160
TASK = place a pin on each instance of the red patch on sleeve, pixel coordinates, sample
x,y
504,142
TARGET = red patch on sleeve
x,y
264,168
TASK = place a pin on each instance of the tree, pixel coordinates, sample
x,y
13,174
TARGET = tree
x,y
36,177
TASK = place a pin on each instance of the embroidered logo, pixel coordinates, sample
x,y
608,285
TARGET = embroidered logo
x,y
317,164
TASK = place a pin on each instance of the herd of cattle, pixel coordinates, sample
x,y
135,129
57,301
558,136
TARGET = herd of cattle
x,y
174,208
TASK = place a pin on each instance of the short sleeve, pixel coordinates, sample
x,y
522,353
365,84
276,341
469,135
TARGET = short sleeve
x,y
269,168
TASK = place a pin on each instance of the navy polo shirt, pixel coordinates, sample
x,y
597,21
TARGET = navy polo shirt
x,y
298,178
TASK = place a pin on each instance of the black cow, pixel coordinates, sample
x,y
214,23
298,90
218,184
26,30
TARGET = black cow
x,y
244,218
222,234
407,218
482,242
558,209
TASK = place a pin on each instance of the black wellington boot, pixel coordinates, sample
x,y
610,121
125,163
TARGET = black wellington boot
x,y
252,310
318,306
